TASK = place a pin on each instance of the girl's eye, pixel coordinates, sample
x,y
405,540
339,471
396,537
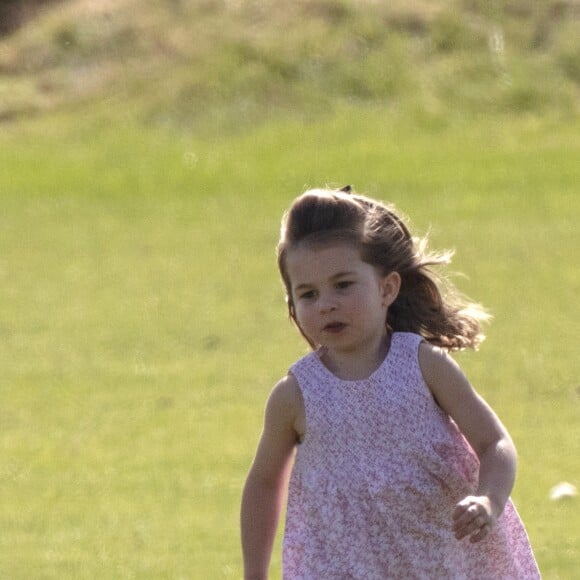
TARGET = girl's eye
x,y
308,295
344,284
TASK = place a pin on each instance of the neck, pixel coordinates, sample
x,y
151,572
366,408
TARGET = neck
x,y
357,365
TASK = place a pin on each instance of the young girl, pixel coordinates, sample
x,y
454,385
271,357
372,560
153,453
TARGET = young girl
x,y
401,470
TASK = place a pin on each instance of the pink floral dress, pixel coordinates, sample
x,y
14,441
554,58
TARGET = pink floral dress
x,y
376,479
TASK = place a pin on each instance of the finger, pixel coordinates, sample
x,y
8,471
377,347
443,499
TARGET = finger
x,y
470,527
481,534
462,507
459,511
468,515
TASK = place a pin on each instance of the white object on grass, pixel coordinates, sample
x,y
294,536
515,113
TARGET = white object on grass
x,y
563,490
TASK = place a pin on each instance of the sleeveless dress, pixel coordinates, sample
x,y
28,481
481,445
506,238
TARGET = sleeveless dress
x,y
377,477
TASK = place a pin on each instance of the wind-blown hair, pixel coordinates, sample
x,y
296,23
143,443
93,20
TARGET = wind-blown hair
x,y
427,303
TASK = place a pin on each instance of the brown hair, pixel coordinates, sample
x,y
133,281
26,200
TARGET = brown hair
x,y
427,303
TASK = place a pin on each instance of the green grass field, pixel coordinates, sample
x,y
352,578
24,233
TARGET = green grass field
x,y
143,323
147,151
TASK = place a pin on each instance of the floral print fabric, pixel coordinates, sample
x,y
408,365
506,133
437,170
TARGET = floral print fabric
x,y
376,479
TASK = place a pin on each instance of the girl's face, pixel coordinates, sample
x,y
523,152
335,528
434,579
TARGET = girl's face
x,y
340,301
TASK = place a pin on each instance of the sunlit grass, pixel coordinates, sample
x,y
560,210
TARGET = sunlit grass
x,y
143,323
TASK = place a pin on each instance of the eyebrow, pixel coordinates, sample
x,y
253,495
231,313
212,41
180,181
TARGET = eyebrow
x,y
334,277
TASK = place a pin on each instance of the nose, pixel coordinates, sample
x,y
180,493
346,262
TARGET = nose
x,y
326,304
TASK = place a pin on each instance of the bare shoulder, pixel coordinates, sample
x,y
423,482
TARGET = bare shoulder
x,y
279,435
286,394
444,377
436,363
285,403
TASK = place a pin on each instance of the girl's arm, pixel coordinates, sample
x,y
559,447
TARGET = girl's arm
x,y
474,515
266,482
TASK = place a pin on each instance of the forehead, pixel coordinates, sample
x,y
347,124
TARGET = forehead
x,y
309,264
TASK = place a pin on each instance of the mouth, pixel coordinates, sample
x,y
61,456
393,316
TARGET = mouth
x,y
334,327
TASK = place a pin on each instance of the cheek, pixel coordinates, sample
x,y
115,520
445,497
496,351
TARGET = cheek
x,y
302,313
305,318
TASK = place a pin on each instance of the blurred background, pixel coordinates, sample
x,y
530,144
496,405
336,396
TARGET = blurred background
x,y
147,152
210,64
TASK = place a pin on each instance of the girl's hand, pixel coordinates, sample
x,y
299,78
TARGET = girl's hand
x,y
473,516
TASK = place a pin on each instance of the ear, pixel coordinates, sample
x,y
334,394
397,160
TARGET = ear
x,y
390,286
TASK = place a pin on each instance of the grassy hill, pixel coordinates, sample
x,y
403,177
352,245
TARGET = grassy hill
x,y
237,62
